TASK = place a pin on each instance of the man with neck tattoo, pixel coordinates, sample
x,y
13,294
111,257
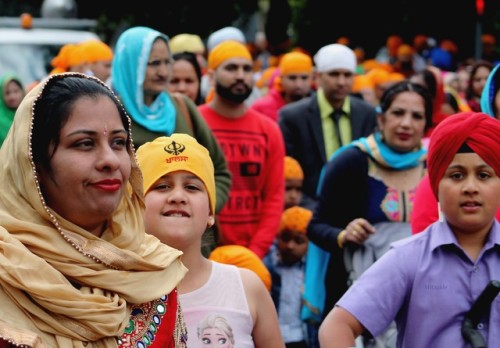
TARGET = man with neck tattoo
x,y
254,150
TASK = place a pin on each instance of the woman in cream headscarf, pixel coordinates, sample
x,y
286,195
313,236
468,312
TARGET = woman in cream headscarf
x,y
75,260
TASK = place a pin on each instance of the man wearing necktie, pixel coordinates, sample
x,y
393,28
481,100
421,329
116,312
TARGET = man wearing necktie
x,y
316,126
336,115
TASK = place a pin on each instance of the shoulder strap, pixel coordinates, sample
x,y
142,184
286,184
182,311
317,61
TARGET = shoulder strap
x,y
179,99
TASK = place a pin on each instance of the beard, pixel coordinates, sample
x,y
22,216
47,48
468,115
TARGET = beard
x,y
295,96
228,94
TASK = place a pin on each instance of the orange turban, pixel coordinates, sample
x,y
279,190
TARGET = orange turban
x,y
362,82
378,76
295,219
97,50
419,42
476,129
344,40
370,64
61,61
488,39
266,77
227,50
78,55
392,44
404,50
449,46
243,257
395,77
295,62
292,169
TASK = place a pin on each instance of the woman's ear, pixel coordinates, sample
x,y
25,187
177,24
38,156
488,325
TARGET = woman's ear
x,y
211,221
380,121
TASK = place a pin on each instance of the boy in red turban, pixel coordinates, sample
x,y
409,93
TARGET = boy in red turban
x,y
428,283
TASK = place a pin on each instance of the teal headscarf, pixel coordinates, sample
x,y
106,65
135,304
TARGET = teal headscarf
x,y
128,71
489,91
6,113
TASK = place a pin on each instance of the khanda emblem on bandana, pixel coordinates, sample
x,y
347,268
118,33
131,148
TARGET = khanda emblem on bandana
x,y
174,148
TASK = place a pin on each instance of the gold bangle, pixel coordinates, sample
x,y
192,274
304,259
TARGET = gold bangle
x,y
340,238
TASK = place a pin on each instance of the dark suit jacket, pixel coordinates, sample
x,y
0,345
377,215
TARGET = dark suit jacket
x,y
300,123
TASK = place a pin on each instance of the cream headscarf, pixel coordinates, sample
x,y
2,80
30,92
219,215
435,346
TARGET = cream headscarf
x,y
61,286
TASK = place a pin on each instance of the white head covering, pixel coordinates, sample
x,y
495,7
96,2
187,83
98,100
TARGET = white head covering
x,y
335,56
226,33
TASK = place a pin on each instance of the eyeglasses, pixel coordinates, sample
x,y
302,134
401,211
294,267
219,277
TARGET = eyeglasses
x,y
158,62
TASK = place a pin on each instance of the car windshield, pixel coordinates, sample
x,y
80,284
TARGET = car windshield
x,y
29,62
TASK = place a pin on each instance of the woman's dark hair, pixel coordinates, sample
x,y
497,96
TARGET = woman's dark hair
x,y
406,86
469,93
191,58
450,99
430,82
52,108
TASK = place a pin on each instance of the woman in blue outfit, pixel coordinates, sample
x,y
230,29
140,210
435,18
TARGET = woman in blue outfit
x,y
366,189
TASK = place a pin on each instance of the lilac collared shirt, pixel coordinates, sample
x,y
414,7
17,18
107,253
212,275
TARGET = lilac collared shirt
x,y
427,283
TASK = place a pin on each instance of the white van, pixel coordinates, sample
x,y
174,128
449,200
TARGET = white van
x,y
27,45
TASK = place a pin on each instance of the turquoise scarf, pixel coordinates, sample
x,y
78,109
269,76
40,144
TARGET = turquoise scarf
x,y
488,94
128,71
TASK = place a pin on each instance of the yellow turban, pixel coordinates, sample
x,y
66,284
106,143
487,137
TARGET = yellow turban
x,y
295,219
295,62
227,50
292,169
97,51
243,257
186,43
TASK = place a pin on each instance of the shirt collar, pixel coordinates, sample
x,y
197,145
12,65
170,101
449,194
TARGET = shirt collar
x,y
441,234
326,109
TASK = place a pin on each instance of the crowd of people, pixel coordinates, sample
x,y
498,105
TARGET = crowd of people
x,y
181,192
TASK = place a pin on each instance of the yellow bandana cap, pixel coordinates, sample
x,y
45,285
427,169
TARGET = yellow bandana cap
x,y
186,43
293,170
295,219
295,62
165,155
227,50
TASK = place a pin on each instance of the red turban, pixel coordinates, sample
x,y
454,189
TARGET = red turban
x,y
476,129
